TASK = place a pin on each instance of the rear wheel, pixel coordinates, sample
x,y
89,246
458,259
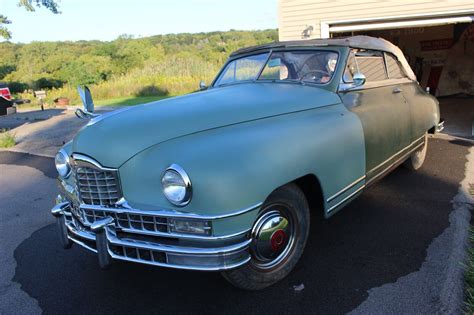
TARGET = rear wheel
x,y
416,159
278,239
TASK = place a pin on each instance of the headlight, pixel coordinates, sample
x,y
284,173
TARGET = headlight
x,y
176,185
62,164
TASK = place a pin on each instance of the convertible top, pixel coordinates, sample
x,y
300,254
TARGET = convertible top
x,y
363,42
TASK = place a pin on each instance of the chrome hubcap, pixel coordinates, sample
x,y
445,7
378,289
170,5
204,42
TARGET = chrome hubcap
x,y
272,237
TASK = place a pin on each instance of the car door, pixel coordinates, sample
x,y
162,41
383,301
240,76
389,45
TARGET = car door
x,y
381,108
424,111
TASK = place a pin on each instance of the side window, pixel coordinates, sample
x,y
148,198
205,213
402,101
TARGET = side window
x,y
394,69
371,64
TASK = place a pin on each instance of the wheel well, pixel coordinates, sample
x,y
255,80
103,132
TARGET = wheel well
x,y
313,192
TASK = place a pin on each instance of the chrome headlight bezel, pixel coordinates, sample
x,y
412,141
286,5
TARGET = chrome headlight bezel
x,y
63,164
178,172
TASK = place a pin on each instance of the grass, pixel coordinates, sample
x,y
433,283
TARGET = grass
x,y
7,140
128,101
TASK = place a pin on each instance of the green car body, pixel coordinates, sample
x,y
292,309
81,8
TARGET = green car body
x,y
240,142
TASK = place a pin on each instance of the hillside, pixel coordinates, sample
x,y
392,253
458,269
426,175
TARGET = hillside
x,y
158,65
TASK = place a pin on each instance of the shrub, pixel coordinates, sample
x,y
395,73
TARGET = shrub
x,y
17,87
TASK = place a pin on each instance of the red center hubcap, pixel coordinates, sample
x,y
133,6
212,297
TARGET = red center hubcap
x,y
278,240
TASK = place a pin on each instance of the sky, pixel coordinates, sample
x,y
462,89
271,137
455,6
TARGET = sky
x,y
107,19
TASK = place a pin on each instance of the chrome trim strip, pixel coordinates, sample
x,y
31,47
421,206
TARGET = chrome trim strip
x,y
394,163
391,157
173,213
82,244
178,249
185,236
340,192
345,199
84,158
350,87
184,267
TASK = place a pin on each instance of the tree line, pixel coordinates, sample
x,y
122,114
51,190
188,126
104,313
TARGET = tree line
x,y
171,64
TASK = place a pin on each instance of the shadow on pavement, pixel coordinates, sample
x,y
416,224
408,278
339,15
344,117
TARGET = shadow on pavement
x,y
378,238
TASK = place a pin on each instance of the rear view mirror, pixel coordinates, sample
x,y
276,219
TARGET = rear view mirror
x,y
275,62
202,86
358,79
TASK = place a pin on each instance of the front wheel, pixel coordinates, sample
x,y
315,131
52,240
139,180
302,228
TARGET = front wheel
x,y
278,239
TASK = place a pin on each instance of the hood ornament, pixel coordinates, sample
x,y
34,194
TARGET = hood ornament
x,y
87,102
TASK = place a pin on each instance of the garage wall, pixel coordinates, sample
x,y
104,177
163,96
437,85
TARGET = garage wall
x,y
297,15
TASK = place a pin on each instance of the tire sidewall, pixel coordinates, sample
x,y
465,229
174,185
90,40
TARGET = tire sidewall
x,y
251,277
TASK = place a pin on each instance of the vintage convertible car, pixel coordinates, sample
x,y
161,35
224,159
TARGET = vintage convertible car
x,y
224,179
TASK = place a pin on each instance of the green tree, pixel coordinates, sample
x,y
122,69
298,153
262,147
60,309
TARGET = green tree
x,y
4,32
29,5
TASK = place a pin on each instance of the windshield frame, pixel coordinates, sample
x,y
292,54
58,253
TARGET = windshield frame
x,y
269,55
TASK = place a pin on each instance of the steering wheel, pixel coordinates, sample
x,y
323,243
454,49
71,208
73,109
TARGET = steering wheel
x,y
317,75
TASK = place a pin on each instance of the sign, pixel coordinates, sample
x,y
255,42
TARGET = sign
x,y
40,94
436,44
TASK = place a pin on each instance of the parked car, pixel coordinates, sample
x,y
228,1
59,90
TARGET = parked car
x,y
225,179
5,98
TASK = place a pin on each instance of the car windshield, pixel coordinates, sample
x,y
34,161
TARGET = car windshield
x,y
295,66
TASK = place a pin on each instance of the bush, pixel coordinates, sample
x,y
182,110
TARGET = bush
x,y
47,83
17,87
152,90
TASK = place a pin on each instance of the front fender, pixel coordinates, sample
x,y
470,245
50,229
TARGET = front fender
x,y
238,166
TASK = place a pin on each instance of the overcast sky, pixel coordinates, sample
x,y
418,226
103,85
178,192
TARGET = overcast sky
x,y
107,19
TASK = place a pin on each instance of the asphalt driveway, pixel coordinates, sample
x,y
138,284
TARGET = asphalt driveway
x,y
387,236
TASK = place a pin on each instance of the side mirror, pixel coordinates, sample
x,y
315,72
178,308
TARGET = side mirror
x,y
202,86
358,79
86,98
87,102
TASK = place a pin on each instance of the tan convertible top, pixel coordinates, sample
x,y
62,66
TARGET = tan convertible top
x,y
364,42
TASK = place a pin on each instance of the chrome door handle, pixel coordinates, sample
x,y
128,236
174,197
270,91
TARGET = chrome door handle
x,y
396,90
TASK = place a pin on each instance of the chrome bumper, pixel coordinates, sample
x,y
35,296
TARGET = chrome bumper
x,y
440,125
109,241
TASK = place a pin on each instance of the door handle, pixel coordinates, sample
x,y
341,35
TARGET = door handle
x,y
396,90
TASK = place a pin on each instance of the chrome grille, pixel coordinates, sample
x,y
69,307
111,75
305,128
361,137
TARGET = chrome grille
x,y
138,253
97,187
127,220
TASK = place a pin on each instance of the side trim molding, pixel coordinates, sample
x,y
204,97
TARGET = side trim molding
x,y
346,199
340,192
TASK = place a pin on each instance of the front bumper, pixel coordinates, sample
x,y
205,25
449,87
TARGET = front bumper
x,y
106,237
440,126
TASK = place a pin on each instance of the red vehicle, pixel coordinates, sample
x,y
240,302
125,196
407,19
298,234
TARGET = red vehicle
x,y
5,99
5,92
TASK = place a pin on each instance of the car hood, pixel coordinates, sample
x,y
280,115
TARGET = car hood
x,y
113,138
